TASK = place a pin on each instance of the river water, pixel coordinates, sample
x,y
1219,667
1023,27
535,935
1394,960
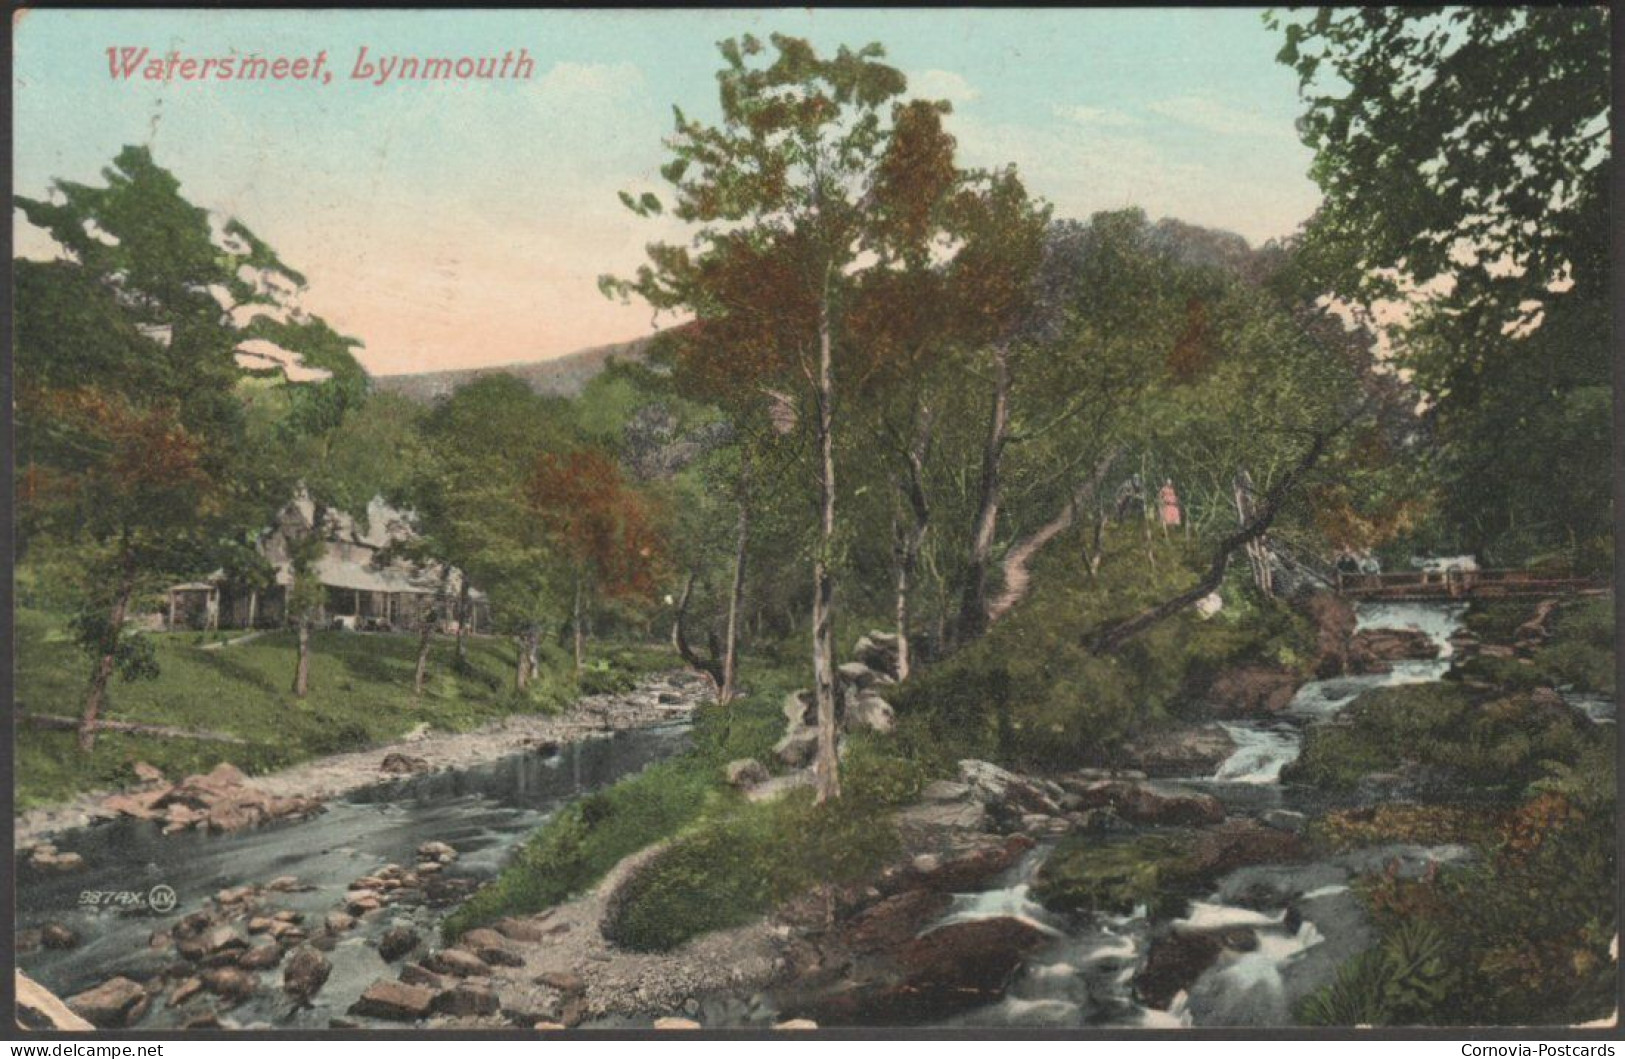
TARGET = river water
x,y
1305,918
481,812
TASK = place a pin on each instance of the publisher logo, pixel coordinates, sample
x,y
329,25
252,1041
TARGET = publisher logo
x,y
159,899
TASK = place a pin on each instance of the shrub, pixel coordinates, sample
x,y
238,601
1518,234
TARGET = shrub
x,y
1502,744
1405,980
732,868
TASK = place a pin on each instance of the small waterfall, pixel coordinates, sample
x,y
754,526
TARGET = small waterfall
x,y
1260,754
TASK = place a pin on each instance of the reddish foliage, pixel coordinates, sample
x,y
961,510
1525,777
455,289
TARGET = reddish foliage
x,y
134,450
604,525
1193,350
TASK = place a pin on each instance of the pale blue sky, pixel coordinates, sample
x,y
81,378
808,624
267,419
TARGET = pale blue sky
x,y
457,224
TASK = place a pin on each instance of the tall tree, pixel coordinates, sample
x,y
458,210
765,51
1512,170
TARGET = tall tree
x,y
603,530
131,362
782,193
1465,162
467,492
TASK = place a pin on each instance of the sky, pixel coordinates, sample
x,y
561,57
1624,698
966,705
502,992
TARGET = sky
x,y
450,224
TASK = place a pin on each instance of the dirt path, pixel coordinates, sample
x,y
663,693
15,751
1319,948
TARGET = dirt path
x,y
338,774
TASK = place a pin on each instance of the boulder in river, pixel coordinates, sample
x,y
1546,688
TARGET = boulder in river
x,y
946,971
1144,803
1238,843
115,1004
1252,691
457,962
1334,619
395,1001
261,957
894,920
398,764
417,974
396,942
1175,961
57,936
527,928
466,999
230,983
1197,750
438,852
48,858
1390,645
965,873
185,990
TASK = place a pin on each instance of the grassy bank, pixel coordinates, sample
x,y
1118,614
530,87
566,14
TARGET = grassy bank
x,y
729,859
360,695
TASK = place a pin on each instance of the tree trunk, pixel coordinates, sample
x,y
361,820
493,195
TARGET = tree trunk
x,y
426,624
96,695
1097,547
679,639
973,605
906,549
464,605
576,622
826,769
301,669
421,673
736,598
521,668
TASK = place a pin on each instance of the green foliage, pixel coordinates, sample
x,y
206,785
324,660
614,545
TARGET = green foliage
x,y
1029,693
1503,744
132,652
1524,931
1464,154
728,859
744,861
587,838
1101,873
584,840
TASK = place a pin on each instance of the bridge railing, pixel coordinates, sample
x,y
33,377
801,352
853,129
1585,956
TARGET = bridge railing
x,y
1457,582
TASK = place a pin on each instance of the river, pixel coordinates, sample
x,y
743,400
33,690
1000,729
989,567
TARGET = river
x,y
1305,918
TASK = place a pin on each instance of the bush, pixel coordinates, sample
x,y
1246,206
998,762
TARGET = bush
x,y
1029,694
1527,928
1406,980
1502,744
585,839
740,864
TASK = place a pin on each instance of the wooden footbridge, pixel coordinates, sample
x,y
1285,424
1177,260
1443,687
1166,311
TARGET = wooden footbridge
x,y
1423,586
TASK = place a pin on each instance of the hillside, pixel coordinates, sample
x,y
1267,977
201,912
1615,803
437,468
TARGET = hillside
x,y
562,376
